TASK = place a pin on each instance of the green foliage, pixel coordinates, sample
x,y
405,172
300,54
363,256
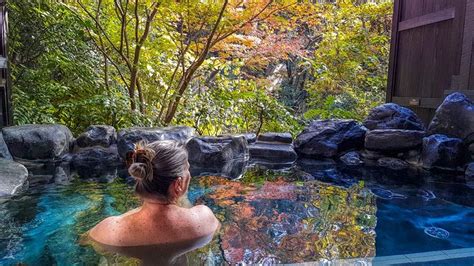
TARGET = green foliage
x,y
65,70
55,71
232,104
351,62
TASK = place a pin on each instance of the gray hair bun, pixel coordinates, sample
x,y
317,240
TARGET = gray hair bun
x,y
142,167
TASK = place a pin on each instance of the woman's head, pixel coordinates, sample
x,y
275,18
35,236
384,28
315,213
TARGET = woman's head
x,y
161,169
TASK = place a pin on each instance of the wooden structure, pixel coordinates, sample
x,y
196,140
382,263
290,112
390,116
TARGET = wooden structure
x,y
431,53
5,105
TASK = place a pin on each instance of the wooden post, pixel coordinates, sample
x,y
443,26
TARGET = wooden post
x,y
393,50
5,94
466,69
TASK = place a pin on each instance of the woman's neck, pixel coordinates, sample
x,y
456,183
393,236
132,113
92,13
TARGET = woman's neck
x,y
157,202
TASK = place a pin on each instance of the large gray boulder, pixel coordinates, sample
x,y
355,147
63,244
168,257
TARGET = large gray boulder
x,y
441,151
38,142
328,138
392,140
454,118
212,151
272,152
274,148
393,116
13,177
127,138
4,152
96,161
96,157
276,137
97,135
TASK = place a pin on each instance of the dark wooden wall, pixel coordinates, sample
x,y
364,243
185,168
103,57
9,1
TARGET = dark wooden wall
x,y
5,103
431,53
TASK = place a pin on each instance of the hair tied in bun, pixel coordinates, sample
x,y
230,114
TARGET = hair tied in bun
x,y
141,167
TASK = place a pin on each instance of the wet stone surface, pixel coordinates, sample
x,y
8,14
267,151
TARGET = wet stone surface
x,y
276,137
393,116
13,177
393,140
276,152
216,151
4,152
97,135
442,152
38,142
328,138
454,118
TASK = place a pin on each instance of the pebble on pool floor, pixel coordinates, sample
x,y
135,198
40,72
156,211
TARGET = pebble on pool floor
x,y
436,232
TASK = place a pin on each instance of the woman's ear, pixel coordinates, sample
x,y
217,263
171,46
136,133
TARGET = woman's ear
x,y
179,186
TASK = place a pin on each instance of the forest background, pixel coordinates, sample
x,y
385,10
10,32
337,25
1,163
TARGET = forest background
x,y
220,66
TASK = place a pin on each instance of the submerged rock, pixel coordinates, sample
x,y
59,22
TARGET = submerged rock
x,y
393,116
97,135
275,152
276,137
351,158
127,138
38,142
214,151
13,177
328,138
392,163
442,152
4,152
391,140
454,118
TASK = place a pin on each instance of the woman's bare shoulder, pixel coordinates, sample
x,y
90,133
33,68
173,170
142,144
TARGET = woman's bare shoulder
x,y
205,219
105,232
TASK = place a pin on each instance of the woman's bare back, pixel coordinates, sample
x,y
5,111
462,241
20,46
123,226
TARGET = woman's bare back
x,y
155,224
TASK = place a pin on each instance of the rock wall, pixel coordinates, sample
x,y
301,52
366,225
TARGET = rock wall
x,y
391,137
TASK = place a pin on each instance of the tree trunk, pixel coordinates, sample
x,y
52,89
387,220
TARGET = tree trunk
x,y
140,97
131,89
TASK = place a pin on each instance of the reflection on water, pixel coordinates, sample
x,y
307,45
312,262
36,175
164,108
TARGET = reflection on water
x,y
312,212
270,216
162,254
